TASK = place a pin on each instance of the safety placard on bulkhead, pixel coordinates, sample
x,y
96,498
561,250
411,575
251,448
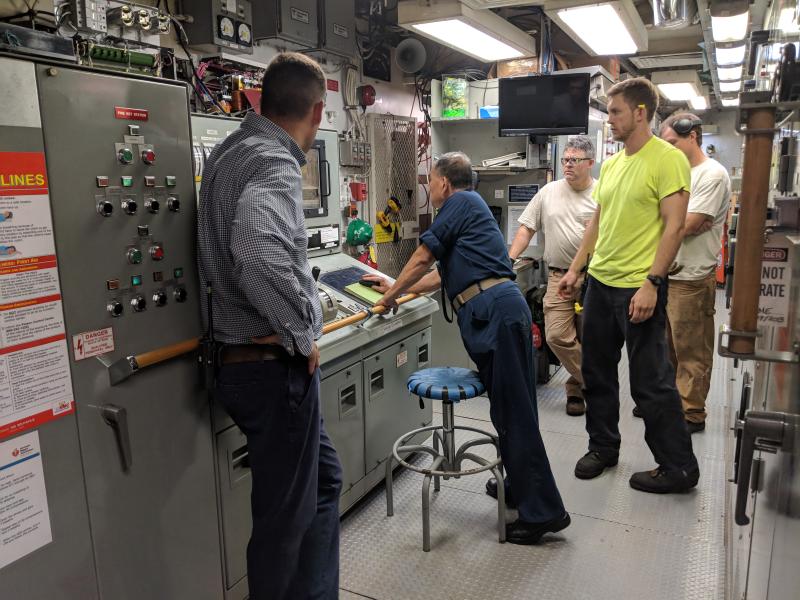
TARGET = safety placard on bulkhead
x,y
92,343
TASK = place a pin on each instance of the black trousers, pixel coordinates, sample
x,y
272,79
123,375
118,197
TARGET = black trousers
x,y
606,326
496,329
294,546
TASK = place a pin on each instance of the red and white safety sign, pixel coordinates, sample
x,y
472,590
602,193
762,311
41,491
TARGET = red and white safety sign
x,y
92,343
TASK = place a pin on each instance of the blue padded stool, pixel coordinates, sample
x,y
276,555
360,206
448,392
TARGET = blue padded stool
x,y
449,385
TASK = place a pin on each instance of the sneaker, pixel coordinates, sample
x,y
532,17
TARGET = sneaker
x,y
491,490
575,406
593,464
636,412
524,533
695,427
659,481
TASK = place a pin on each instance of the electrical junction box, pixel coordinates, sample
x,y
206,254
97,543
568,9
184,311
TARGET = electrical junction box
x,y
224,24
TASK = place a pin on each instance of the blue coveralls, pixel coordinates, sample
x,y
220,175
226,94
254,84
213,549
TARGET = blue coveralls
x,y
496,330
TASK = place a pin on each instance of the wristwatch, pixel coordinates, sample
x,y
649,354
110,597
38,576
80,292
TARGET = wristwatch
x,y
655,280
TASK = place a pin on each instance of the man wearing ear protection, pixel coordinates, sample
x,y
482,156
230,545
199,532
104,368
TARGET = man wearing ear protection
x,y
690,305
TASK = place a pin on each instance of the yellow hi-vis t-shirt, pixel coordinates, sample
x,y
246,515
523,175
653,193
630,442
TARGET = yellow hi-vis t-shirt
x,y
629,193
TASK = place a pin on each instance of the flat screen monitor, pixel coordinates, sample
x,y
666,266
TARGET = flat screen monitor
x,y
544,105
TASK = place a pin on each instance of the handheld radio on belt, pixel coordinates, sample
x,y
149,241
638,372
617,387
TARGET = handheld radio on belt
x,y
584,285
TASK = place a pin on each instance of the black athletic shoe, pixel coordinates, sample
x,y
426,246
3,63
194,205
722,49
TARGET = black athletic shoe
x,y
524,533
659,481
491,490
593,464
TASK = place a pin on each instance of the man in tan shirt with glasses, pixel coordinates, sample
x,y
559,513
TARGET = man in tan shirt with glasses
x,y
560,211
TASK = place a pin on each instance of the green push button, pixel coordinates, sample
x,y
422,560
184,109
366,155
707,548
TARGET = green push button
x,y
125,156
172,181
136,280
127,181
178,273
134,256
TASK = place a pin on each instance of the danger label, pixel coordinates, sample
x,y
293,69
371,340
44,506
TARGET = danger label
x,y
93,343
776,274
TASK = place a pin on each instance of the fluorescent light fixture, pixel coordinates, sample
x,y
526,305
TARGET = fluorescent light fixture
x,y
787,21
602,29
733,55
698,103
457,34
678,92
730,29
729,73
677,86
730,102
730,86
480,34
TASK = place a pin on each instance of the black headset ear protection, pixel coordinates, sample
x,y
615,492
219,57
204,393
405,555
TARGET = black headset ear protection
x,y
685,125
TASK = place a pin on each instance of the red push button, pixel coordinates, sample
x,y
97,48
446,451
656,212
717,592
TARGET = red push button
x,y
148,157
157,252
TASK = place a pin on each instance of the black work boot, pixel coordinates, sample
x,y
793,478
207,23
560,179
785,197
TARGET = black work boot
x,y
659,481
524,533
695,427
491,490
593,464
575,406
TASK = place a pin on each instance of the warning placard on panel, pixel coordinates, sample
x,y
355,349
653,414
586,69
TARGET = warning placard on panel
x,y
93,343
776,274
35,383
24,515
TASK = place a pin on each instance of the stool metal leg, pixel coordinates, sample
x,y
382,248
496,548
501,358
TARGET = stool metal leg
x,y
426,506
501,504
436,478
449,441
389,491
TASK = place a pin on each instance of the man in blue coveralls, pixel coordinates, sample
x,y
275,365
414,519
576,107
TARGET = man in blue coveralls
x,y
495,324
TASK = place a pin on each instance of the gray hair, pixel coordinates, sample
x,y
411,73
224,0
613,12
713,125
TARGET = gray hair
x,y
582,143
456,167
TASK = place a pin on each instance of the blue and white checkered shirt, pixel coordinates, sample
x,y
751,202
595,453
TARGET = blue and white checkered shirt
x,y
252,239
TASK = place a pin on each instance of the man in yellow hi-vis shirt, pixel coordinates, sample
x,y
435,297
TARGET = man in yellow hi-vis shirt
x,y
642,195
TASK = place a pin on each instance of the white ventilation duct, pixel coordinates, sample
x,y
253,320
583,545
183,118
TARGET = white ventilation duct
x,y
671,14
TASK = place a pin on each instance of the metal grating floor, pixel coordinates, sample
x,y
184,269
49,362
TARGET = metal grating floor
x,y
622,544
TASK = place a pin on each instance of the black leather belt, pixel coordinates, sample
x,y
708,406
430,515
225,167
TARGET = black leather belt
x,y
244,353
557,270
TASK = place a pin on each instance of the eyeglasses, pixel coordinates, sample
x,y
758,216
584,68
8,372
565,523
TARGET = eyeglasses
x,y
573,161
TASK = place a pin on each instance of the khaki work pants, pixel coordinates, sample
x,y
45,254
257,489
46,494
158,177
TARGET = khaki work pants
x,y
690,333
561,330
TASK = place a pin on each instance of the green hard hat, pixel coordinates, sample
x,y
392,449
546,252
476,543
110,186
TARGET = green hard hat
x,y
359,232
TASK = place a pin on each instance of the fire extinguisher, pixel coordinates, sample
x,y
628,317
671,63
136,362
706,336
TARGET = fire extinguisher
x,y
537,336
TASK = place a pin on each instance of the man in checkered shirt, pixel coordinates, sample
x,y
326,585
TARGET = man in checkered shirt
x,y
266,313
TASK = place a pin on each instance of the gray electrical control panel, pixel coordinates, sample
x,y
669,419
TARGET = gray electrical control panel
x,y
354,153
290,20
220,24
337,27
121,189
89,15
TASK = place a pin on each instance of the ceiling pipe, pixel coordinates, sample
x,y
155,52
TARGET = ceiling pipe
x,y
672,14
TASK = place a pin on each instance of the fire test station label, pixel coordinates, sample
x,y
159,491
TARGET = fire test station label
x,y
24,515
35,382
